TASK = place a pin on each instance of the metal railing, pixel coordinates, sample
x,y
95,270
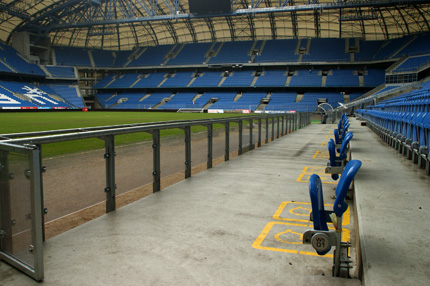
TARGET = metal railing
x,y
284,123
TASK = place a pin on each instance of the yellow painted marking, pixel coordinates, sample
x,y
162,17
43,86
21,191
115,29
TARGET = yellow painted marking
x,y
270,238
287,211
321,155
293,211
324,143
328,137
299,237
325,179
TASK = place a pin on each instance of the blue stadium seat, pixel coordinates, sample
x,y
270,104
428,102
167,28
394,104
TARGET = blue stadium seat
x,y
321,237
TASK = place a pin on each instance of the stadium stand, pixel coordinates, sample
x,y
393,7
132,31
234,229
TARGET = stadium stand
x,y
178,79
125,81
413,64
343,77
272,78
9,100
278,51
207,79
306,78
11,60
190,54
238,78
150,80
69,93
326,50
374,77
37,96
150,56
180,100
61,72
70,56
103,58
233,52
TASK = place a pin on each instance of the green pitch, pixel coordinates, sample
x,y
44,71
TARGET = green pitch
x,y
40,121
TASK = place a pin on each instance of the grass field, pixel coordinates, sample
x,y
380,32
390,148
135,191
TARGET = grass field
x,y
18,122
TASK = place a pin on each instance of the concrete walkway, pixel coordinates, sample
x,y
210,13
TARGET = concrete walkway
x,y
236,224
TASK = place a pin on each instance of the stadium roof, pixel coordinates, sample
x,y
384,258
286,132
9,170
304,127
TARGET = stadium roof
x,y
124,24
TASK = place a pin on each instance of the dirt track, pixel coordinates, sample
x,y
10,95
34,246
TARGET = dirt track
x,y
74,184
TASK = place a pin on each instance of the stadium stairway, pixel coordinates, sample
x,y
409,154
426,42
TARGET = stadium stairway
x,y
240,223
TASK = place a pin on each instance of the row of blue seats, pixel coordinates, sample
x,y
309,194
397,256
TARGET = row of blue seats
x,y
321,237
321,50
340,78
407,132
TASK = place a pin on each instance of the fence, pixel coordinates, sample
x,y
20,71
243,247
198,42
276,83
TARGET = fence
x,y
22,228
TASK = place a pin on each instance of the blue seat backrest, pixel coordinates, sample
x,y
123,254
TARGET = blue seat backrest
x,y
344,145
332,152
336,136
317,203
348,174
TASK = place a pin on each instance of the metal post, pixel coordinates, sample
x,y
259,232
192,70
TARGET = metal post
x,y
251,135
187,131
42,170
259,132
277,128
273,128
110,172
210,144
283,125
156,185
37,214
227,141
267,130
240,137
5,204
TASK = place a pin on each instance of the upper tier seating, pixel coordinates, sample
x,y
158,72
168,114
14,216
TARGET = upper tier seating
x,y
152,56
70,56
326,50
11,61
103,58
278,51
413,64
191,54
233,52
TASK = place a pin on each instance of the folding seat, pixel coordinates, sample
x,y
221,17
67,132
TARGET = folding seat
x,y
321,237
407,143
336,164
424,129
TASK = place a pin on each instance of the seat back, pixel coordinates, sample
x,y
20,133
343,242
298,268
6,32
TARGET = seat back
x,y
348,174
332,152
344,146
317,202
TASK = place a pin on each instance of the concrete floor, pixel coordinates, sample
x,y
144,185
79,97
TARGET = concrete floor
x,y
236,224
